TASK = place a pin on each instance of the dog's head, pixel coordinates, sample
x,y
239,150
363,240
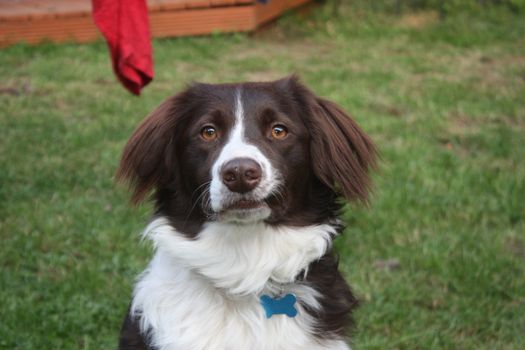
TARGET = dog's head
x,y
248,152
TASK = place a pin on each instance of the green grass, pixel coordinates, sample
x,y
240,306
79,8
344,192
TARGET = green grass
x,y
445,103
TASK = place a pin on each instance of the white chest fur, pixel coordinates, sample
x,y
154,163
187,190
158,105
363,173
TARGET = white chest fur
x,y
203,294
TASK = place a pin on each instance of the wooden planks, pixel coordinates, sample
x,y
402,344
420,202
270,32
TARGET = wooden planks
x,y
78,29
16,10
202,21
34,21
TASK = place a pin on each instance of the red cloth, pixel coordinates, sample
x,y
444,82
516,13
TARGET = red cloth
x,y
124,24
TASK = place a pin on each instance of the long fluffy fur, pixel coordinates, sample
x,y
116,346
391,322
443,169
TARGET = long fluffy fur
x,y
219,277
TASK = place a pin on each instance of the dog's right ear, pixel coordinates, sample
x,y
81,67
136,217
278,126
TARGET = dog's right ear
x,y
148,161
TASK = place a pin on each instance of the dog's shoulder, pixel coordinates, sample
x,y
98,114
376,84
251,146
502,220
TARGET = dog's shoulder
x,y
131,338
337,302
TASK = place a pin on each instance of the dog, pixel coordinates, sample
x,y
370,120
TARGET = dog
x,y
247,181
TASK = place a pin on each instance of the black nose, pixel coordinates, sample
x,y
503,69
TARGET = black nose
x,y
241,174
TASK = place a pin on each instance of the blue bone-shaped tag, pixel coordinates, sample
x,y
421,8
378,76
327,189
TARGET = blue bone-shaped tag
x,y
279,306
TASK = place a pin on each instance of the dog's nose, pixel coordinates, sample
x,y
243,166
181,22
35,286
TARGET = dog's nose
x,y
241,174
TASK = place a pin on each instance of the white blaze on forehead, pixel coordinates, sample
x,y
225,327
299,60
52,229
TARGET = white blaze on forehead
x,y
238,147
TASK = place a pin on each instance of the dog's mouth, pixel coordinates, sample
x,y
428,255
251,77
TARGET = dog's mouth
x,y
245,210
245,204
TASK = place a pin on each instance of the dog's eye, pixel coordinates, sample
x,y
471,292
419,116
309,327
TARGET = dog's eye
x,y
279,132
208,133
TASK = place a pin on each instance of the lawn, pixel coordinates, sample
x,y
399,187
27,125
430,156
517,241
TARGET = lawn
x,y
437,259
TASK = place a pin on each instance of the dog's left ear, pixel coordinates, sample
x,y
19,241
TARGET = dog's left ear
x,y
342,154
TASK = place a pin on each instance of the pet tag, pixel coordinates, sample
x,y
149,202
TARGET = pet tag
x,y
279,306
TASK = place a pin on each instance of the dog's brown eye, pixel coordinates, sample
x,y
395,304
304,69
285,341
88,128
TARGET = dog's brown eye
x,y
208,133
279,132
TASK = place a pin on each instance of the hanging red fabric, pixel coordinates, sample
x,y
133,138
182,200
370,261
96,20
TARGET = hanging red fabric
x,y
125,25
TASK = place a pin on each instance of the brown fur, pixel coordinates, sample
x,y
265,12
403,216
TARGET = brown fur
x,y
333,132
148,160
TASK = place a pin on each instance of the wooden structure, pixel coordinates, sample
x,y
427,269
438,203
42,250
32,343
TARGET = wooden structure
x,y
34,21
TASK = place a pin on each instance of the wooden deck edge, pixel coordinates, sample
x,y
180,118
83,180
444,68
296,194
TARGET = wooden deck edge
x,y
40,11
164,23
59,29
203,21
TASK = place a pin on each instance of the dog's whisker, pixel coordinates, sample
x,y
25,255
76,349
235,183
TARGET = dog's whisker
x,y
198,188
195,203
277,193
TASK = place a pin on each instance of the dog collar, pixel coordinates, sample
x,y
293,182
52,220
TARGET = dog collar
x,y
279,306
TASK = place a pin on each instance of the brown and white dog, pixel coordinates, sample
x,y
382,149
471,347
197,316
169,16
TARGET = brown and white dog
x,y
246,180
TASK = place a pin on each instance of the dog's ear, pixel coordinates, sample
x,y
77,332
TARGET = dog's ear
x,y
342,154
148,160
